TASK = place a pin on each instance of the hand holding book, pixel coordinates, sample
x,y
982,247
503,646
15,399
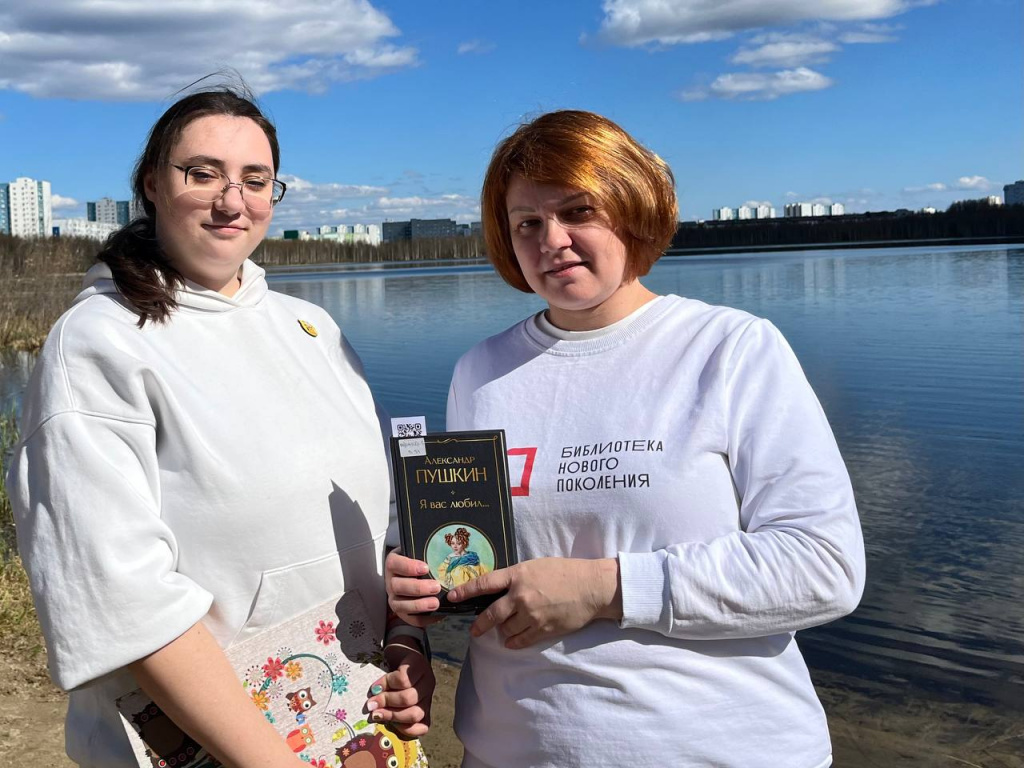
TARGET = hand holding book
x,y
412,597
545,598
455,518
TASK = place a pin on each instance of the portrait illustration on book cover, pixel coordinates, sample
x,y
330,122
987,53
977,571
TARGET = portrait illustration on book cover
x,y
457,553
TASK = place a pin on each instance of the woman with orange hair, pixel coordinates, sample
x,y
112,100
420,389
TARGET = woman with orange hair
x,y
686,509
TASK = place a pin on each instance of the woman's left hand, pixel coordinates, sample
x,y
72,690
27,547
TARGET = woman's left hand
x,y
401,698
546,598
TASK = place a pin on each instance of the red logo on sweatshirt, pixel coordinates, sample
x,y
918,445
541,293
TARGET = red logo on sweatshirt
x,y
528,454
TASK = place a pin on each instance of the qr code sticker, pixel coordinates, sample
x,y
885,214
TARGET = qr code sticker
x,y
410,430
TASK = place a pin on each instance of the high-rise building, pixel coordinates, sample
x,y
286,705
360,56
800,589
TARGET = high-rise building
x,y
798,210
415,229
31,208
764,212
432,228
836,209
5,209
109,211
1013,194
396,230
722,214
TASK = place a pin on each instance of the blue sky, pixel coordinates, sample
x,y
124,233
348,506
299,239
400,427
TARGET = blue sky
x,y
390,109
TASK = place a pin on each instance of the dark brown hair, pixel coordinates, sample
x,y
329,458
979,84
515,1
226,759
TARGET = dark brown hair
x,y
461,534
141,270
588,152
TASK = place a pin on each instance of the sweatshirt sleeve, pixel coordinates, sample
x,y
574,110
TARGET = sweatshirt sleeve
x,y
453,421
798,558
86,497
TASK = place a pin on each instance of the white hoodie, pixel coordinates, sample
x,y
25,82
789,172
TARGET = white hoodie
x,y
226,465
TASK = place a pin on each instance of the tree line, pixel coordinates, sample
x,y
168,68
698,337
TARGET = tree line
x,y
969,219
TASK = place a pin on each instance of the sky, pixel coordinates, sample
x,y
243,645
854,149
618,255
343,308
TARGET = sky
x,y
390,109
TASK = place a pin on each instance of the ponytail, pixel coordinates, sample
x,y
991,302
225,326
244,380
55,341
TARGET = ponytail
x,y
141,272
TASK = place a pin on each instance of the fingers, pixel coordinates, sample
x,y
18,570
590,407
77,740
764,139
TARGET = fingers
x,y
488,584
416,612
399,565
524,639
402,698
409,595
496,614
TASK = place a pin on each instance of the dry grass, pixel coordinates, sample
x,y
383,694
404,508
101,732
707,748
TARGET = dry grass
x,y
23,660
38,279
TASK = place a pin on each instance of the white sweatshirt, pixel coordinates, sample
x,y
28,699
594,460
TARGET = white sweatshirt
x,y
687,443
226,465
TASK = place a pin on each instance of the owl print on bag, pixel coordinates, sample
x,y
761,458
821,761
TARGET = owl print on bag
x,y
301,701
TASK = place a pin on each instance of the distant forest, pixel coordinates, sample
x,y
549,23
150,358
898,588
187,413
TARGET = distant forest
x,y
966,220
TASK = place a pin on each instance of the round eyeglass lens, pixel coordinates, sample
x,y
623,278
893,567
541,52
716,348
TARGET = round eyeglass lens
x,y
208,185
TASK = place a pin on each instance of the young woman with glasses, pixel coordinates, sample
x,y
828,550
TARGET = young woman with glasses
x,y
200,458
686,510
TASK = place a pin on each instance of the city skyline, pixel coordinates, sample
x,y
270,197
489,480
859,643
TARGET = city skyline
x,y
393,113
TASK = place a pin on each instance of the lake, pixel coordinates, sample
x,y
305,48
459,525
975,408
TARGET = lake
x,y
916,355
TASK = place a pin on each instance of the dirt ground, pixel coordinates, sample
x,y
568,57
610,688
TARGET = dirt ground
x,y
865,733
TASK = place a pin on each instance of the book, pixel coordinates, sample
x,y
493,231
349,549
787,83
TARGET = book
x,y
455,508
310,676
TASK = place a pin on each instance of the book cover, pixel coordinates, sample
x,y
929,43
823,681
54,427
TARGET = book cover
x,y
310,677
454,507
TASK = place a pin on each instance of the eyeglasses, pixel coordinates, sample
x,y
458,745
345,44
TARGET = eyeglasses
x,y
209,185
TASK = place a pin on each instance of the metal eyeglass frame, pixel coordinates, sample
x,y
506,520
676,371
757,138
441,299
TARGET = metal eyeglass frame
x,y
224,190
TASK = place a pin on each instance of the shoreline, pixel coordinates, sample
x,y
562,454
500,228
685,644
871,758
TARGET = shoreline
x,y
918,243
866,732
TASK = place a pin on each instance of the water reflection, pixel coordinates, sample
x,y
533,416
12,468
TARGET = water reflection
x,y
916,357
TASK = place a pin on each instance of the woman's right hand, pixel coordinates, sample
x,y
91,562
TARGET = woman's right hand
x,y
410,597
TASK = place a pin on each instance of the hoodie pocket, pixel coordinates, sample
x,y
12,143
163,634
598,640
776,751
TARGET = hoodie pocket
x,y
286,592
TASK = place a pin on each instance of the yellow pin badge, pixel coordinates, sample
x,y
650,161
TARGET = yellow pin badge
x,y
309,328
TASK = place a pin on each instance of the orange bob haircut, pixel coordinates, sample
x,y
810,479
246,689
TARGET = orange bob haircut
x,y
585,151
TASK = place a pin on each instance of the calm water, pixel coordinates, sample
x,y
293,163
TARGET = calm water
x,y
916,355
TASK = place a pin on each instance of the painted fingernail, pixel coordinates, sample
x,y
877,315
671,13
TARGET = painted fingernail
x,y
376,717
377,689
371,705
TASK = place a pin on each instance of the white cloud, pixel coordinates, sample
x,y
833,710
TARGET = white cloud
x,y
59,201
308,190
870,33
415,206
759,86
661,22
756,203
979,183
475,46
975,183
126,50
938,186
307,205
786,53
